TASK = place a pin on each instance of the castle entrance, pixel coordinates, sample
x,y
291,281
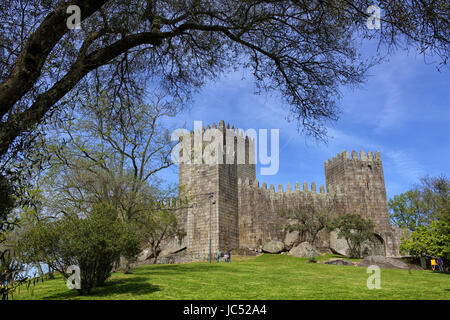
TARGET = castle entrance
x,y
376,248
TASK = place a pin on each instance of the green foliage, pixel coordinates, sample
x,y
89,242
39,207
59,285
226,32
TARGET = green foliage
x,y
10,270
435,192
94,243
269,276
308,220
409,210
355,230
426,202
429,241
158,225
425,210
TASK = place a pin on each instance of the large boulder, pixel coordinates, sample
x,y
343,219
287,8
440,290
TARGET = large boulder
x,y
174,258
303,250
167,248
173,246
337,245
291,239
383,262
340,262
145,254
273,246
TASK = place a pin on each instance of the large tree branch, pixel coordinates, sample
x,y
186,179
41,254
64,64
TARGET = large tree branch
x,y
22,122
29,63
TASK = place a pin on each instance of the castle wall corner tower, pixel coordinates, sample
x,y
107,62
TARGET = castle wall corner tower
x,y
246,215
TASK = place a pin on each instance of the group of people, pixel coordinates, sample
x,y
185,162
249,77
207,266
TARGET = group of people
x,y
225,256
437,262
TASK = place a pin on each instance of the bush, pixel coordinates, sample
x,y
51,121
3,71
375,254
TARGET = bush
x,y
92,243
429,241
355,230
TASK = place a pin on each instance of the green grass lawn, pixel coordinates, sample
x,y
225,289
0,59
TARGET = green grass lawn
x,y
263,277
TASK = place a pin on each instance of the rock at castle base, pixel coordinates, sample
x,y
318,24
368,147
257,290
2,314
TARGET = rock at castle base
x,y
291,239
180,257
383,262
303,250
173,246
340,263
145,254
273,246
167,248
337,245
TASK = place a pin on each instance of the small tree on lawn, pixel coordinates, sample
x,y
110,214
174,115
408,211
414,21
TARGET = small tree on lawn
x,y
93,243
355,230
429,241
308,220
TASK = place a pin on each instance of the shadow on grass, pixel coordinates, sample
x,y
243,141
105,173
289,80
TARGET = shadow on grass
x,y
175,268
134,286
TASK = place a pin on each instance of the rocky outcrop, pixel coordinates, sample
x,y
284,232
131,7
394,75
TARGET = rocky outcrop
x,y
167,248
338,246
180,257
273,246
340,263
291,239
303,250
384,262
173,246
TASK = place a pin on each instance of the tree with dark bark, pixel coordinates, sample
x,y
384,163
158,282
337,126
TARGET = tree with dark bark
x,y
356,231
309,220
305,50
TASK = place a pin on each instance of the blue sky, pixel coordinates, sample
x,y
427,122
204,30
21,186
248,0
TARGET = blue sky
x,y
402,110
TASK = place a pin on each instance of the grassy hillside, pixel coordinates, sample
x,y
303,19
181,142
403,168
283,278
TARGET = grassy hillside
x,y
262,277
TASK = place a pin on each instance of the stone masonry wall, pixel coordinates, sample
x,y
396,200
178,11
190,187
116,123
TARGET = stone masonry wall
x,y
246,215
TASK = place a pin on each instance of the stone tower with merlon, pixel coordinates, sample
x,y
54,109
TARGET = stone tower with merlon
x,y
221,179
246,214
361,179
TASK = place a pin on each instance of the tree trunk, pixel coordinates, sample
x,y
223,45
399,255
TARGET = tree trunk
x,y
39,268
125,265
50,272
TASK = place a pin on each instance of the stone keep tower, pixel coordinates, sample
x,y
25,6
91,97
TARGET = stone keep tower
x,y
243,214
361,180
201,179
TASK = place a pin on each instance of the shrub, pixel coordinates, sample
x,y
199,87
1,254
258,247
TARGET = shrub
x,y
93,243
355,230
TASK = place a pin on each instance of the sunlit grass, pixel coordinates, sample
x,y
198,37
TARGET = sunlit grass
x,y
262,277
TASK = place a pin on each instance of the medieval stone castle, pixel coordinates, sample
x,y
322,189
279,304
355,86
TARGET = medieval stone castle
x,y
245,214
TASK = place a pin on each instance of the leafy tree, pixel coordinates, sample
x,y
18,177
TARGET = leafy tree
x,y
304,50
409,210
308,220
435,192
428,241
432,238
426,202
160,225
93,243
10,269
355,230
112,153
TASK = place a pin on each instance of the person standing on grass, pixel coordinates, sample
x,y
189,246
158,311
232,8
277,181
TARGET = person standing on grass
x,y
219,256
440,263
229,256
433,264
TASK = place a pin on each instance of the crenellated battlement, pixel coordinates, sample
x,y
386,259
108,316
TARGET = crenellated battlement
x,y
222,144
247,183
246,213
346,156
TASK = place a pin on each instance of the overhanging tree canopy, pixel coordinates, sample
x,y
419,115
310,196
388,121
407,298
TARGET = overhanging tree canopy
x,y
303,49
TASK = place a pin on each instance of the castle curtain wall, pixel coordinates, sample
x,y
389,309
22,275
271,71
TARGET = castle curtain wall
x,y
246,215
